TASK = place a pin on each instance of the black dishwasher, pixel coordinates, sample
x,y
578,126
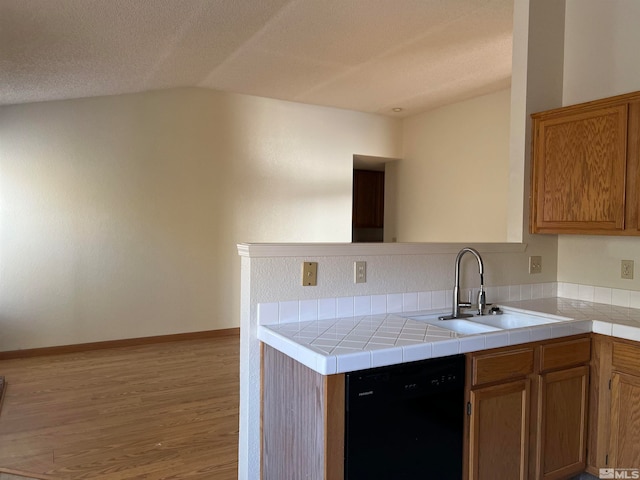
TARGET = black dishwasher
x,y
405,421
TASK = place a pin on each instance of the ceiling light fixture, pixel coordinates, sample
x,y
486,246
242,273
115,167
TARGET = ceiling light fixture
x,y
397,109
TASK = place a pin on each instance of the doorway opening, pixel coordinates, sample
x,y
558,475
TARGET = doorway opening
x,y
372,202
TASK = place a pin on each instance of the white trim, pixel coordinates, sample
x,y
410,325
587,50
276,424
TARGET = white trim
x,y
358,249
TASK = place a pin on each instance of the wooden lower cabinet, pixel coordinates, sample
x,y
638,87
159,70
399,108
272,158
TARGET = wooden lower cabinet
x,y
614,440
562,423
625,421
529,418
527,413
499,431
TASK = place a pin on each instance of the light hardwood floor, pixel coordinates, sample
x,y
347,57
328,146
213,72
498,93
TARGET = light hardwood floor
x,y
161,411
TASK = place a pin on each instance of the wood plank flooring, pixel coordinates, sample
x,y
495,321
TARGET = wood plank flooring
x,y
161,411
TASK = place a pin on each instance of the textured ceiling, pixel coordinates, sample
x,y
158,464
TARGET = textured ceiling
x,y
365,55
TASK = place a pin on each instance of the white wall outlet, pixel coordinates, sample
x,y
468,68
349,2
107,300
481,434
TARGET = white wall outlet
x,y
360,272
535,264
309,274
626,269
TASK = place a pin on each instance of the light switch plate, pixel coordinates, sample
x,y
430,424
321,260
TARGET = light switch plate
x,y
309,274
535,264
360,272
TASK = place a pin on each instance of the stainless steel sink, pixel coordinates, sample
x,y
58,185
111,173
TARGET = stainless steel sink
x,y
461,326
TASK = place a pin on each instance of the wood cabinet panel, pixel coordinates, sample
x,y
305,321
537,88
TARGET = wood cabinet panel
x,y
562,423
302,421
626,358
625,421
599,403
565,354
585,175
579,171
494,367
499,429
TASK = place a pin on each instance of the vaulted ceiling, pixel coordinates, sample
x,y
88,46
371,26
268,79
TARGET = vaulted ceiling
x,y
364,55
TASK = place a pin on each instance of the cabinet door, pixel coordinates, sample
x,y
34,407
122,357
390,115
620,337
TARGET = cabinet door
x,y
625,421
562,423
499,428
579,171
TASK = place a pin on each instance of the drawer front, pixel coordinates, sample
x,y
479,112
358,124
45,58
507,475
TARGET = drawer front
x,y
626,358
565,354
494,367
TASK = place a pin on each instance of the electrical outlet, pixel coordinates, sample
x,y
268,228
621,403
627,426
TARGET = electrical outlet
x,y
360,272
626,269
535,264
309,274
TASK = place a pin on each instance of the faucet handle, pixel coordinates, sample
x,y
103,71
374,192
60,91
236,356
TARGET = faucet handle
x,y
482,300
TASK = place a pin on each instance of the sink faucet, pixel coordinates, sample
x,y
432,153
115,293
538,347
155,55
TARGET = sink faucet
x,y
482,298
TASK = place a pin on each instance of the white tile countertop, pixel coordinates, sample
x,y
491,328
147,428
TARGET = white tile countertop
x,y
347,344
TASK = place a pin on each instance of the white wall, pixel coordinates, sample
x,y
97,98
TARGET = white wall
x,y
453,177
601,60
119,216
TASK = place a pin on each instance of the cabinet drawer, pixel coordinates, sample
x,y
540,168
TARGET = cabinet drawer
x,y
494,367
626,358
565,354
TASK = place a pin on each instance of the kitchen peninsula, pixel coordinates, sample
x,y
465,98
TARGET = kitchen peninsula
x,y
419,278
535,379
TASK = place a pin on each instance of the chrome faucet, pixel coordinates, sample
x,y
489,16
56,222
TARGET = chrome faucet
x,y
482,297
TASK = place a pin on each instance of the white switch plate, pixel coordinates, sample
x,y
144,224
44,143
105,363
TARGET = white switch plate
x,y
360,272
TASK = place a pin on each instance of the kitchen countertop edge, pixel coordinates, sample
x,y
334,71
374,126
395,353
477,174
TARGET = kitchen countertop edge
x,y
329,364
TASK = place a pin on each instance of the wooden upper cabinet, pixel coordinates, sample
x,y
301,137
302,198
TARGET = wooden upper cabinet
x,y
585,168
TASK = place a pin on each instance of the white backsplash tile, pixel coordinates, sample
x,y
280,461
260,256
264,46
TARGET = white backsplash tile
x,y
410,302
634,299
425,300
537,291
361,306
602,295
549,289
346,307
268,313
394,303
378,304
620,297
525,292
327,308
308,310
438,299
289,312
514,293
586,293
503,294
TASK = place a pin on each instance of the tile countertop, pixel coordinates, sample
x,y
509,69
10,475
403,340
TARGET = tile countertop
x,y
356,343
